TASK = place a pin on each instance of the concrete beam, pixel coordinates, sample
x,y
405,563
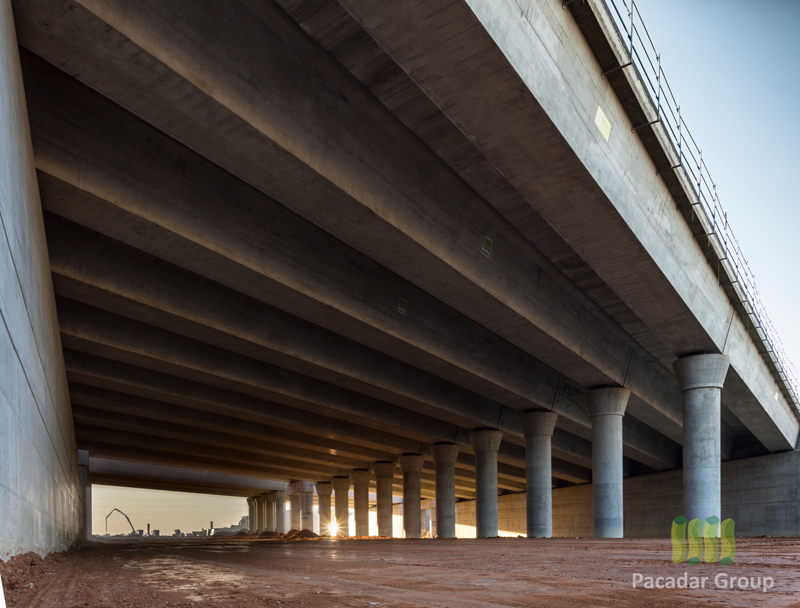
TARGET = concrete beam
x,y
263,380
537,81
84,256
378,162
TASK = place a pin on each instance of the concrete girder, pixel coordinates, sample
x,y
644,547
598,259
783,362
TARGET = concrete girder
x,y
379,163
92,259
89,370
317,446
240,450
239,485
85,368
282,466
184,197
537,81
96,440
129,421
99,326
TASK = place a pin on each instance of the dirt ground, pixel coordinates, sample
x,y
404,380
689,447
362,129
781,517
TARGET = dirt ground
x,y
403,573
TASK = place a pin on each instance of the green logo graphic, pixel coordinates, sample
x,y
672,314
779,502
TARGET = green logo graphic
x,y
708,541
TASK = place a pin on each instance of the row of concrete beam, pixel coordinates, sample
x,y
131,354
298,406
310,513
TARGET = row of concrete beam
x,y
701,378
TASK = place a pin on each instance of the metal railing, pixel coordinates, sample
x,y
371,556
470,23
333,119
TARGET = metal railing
x,y
693,173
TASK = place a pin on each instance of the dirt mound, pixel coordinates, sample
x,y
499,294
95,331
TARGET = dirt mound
x,y
298,535
267,534
21,570
242,533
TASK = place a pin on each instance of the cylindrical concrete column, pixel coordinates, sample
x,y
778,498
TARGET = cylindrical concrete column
x,y
341,497
294,511
279,496
307,507
444,458
269,512
260,513
485,443
361,479
700,378
86,493
606,407
251,514
538,428
324,491
411,465
384,475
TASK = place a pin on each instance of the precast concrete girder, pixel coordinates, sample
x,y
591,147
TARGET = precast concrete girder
x,y
315,447
131,274
99,326
259,53
537,81
184,197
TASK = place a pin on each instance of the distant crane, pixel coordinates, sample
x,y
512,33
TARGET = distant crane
x,y
125,516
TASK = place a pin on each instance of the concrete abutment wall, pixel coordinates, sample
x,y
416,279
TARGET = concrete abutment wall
x,y
40,498
759,494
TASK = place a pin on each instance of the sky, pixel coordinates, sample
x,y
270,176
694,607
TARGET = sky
x,y
733,66
164,511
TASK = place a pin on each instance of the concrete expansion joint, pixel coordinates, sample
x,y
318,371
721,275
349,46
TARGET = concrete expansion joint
x,y
411,463
701,371
538,423
444,453
384,470
607,401
486,440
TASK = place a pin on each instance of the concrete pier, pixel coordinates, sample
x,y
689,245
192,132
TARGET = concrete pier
x,y
701,378
486,442
341,489
305,490
361,479
294,511
260,513
444,457
538,428
607,407
251,515
384,474
280,511
324,491
269,511
411,465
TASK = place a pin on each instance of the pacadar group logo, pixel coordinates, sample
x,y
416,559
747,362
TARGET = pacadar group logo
x,y
695,541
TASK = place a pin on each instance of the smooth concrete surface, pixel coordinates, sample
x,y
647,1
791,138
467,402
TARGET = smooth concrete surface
x,y
384,476
361,479
485,443
251,515
86,494
307,510
411,466
341,496
280,511
324,491
701,378
539,427
260,514
444,458
41,499
269,511
272,329
538,80
760,494
294,511
607,407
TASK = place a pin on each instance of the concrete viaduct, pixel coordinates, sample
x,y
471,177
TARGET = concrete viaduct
x,y
367,245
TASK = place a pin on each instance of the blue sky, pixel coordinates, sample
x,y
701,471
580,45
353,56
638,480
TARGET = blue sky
x,y
733,66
